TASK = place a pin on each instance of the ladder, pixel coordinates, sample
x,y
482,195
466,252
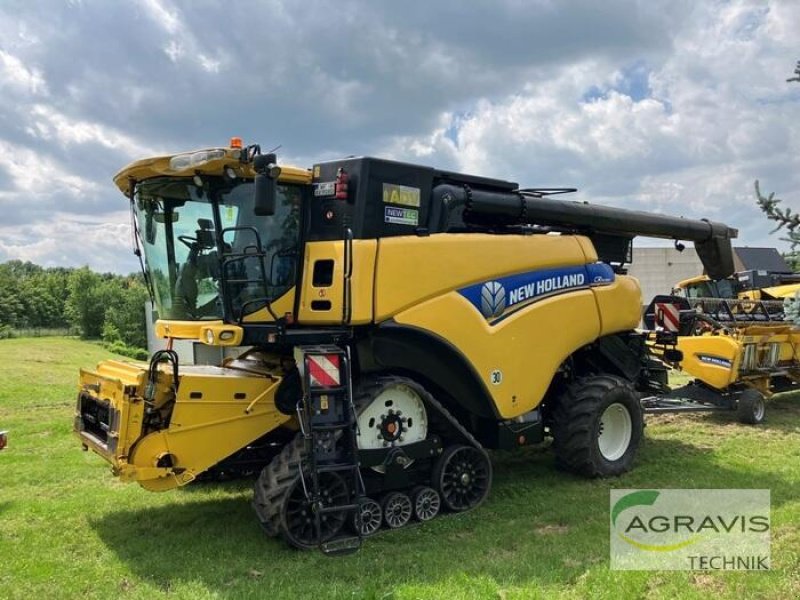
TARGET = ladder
x,y
327,418
232,283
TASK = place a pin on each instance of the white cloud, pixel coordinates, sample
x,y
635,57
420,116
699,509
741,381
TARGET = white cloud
x,y
708,119
36,175
666,105
182,44
16,75
48,123
60,241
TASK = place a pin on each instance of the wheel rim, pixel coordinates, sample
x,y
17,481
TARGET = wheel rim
x,y
396,416
758,410
397,510
465,478
615,431
427,504
299,516
371,517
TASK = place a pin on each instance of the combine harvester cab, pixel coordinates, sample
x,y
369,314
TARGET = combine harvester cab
x,y
740,351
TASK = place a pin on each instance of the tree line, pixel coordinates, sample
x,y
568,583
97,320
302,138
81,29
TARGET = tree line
x,y
97,305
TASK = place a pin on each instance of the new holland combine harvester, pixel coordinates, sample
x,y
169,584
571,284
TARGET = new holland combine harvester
x,y
399,320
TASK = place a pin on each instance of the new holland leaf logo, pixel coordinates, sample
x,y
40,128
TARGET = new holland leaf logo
x,y
643,498
493,299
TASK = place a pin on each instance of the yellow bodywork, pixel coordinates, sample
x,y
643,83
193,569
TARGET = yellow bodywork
x,y
743,352
415,281
748,354
216,411
779,292
230,158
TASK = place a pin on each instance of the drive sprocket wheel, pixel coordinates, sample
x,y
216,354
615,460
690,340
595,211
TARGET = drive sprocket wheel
x,y
463,477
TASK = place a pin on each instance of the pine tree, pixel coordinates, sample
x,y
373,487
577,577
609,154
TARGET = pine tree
x,y
783,217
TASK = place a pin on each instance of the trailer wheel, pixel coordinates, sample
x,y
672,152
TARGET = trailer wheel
x,y
597,426
751,407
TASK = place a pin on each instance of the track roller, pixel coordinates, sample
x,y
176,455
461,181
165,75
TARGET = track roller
x,y
397,509
427,503
369,517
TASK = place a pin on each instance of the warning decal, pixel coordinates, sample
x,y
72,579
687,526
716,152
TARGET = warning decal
x,y
323,370
667,316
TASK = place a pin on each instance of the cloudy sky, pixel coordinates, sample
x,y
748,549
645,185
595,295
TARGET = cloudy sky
x,y
673,106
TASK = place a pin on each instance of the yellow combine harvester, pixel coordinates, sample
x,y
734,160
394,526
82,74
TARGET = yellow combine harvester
x,y
395,320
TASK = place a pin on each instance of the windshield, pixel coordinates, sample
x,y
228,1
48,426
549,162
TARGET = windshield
x,y
194,237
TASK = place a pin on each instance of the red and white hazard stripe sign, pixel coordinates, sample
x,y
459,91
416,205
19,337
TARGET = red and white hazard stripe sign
x,y
668,316
323,370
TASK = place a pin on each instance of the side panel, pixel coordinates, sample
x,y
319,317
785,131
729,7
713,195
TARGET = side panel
x,y
516,357
414,269
321,300
619,305
216,413
712,359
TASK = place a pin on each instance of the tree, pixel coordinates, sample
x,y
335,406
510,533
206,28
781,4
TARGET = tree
x,y
783,217
85,307
125,318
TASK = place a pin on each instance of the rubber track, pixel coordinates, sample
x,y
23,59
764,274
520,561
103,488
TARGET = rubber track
x,y
278,476
274,482
574,416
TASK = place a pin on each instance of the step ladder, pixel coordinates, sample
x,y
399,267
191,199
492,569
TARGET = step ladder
x,y
327,418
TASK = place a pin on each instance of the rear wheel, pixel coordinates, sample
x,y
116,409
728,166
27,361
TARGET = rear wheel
x,y
597,426
751,407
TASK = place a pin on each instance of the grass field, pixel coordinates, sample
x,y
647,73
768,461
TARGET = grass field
x,y
68,529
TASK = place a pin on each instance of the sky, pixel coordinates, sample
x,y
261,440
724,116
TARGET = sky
x,y
664,105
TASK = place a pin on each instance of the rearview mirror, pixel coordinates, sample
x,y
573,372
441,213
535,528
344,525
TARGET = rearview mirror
x,y
266,184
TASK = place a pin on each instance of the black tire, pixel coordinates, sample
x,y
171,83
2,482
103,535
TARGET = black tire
x,y
463,477
279,499
577,426
751,408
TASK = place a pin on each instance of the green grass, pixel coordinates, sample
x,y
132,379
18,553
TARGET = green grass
x,y
68,529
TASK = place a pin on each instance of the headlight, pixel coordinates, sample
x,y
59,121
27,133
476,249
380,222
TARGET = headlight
x,y
209,337
179,162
